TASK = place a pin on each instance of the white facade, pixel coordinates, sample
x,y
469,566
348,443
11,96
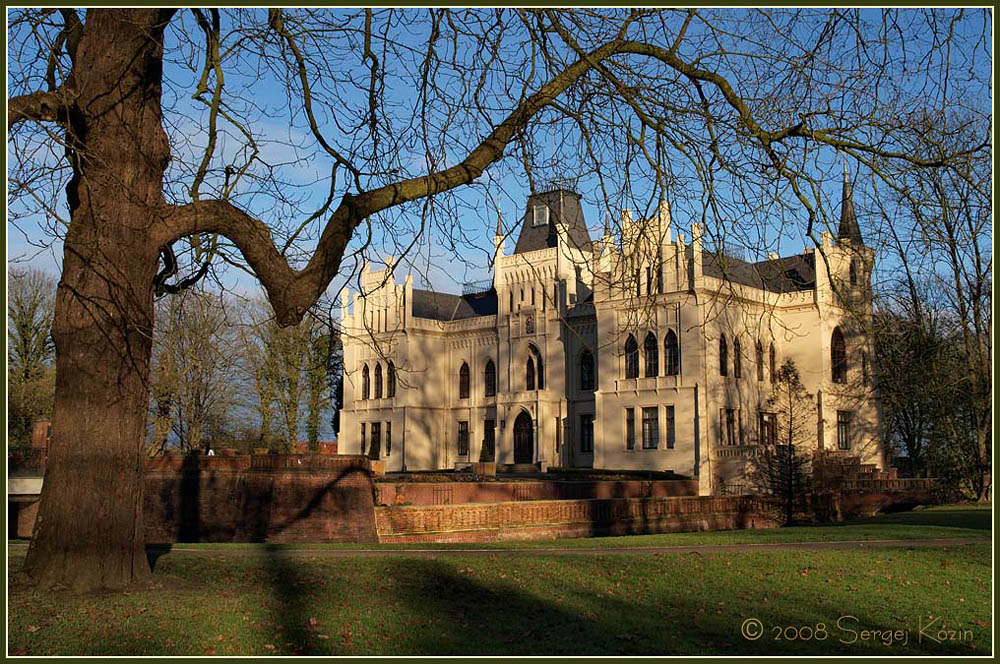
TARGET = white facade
x,y
560,298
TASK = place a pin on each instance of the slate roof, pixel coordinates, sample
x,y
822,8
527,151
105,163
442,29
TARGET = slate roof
x,y
781,275
448,307
564,207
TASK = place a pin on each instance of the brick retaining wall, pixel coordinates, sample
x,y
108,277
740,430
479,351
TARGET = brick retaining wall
x,y
543,519
273,498
452,493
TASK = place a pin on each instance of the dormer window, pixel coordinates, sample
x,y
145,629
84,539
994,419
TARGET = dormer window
x,y
540,215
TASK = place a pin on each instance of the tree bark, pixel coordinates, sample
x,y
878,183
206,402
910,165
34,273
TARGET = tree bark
x,y
88,533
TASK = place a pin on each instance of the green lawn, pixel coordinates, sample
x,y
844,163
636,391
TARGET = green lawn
x,y
673,603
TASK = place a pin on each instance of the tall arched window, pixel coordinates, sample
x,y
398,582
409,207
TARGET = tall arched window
x,y
760,360
539,367
490,378
586,370
463,381
390,380
378,381
774,367
529,374
838,356
651,351
854,272
631,357
737,358
723,356
365,383
673,353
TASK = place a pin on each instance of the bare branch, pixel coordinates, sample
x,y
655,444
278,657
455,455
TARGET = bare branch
x,y
42,106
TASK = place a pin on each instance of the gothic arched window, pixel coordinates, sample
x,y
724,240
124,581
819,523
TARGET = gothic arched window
x,y
673,353
723,356
631,357
651,351
539,367
365,383
529,374
490,378
760,361
378,381
737,358
463,381
774,366
838,356
586,370
390,380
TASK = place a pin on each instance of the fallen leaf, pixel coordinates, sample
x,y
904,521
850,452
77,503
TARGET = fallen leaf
x,y
33,628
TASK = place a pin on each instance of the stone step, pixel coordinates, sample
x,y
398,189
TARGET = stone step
x,y
520,468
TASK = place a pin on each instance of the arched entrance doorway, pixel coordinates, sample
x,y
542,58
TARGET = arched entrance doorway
x,y
524,441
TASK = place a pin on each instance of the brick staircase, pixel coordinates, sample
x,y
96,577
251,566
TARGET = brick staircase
x,y
834,471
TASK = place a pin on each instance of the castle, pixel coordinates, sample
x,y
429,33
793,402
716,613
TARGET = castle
x,y
646,351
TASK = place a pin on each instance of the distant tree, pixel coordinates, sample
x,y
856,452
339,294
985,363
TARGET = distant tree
x,y
324,357
908,362
259,361
939,231
30,351
194,392
781,469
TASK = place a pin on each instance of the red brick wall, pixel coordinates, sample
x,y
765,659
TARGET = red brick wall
x,y
568,518
452,493
273,498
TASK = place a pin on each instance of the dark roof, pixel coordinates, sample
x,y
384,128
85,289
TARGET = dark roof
x,y
780,275
564,207
447,307
849,229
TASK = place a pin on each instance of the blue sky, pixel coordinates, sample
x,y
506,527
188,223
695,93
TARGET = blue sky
x,y
443,256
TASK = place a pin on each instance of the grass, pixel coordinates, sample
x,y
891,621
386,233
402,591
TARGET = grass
x,y
623,604
545,604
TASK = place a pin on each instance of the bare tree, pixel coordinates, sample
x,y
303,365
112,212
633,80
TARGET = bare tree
x,y
193,383
941,304
259,359
729,110
782,465
30,379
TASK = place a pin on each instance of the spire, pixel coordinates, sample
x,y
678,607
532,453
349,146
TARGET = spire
x,y
499,222
849,229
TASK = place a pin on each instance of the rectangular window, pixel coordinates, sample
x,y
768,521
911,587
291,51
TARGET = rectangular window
x,y
587,433
768,434
630,428
650,428
362,438
376,450
844,429
671,436
388,438
540,215
463,439
730,426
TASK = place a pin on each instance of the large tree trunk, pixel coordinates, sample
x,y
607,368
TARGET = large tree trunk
x,y
88,533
